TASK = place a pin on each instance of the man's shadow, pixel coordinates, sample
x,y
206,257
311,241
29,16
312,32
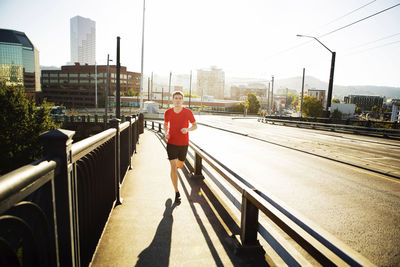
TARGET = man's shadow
x,y
158,252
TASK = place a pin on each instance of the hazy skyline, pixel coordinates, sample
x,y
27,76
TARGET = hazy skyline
x,y
255,38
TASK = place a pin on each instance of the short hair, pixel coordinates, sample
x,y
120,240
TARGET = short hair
x,y
177,93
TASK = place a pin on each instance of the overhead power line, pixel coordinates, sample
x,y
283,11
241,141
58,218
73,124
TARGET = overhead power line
x,y
341,28
351,12
370,16
371,42
375,47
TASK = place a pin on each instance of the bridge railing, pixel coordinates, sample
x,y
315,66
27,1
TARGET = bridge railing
x,y
53,211
321,246
363,130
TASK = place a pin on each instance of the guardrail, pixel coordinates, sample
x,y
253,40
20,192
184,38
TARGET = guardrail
x,y
53,211
382,132
320,245
348,121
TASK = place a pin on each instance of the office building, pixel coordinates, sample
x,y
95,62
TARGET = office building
x,y
19,61
240,92
83,40
319,94
75,86
211,82
364,102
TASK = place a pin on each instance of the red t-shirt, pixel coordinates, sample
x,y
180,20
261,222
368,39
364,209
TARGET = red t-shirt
x,y
177,121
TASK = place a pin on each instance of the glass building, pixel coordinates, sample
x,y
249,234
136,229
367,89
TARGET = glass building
x,y
83,40
19,60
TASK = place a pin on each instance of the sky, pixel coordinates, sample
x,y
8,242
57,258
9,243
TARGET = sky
x,y
246,38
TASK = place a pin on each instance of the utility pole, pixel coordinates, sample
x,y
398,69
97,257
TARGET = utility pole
x,y
169,87
332,71
268,98
286,104
141,68
190,88
302,94
95,81
118,93
107,86
151,89
148,89
162,97
272,94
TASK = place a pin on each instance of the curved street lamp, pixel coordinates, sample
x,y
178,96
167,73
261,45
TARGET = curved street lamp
x,y
330,86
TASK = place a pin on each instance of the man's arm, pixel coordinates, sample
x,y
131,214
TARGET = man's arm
x,y
166,133
192,128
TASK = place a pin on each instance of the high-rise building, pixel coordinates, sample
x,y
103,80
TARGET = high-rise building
x,y
83,40
19,61
211,82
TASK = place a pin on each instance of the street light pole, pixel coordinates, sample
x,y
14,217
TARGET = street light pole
x,y
95,88
107,84
190,88
141,72
330,86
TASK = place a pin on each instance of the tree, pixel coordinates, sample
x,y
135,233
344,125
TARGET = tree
x,y
131,92
312,107
186,94
336,114
252,103
335,100
21,123
292,99
238,108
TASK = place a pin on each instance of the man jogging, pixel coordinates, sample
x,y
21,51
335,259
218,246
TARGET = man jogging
x,y
176,127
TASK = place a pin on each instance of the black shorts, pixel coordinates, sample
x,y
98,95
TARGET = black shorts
x,y
177,152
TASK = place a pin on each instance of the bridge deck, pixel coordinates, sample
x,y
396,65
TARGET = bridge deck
x,y
148,229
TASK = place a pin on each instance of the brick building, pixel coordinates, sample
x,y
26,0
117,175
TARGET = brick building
x,y
74,86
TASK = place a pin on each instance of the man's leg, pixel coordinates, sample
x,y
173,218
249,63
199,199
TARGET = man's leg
x,y
174,175
182,156
180,164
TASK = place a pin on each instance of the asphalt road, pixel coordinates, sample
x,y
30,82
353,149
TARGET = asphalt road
x,y
316,174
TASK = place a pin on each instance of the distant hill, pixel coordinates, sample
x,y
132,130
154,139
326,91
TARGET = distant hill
x,y
49,68
339,91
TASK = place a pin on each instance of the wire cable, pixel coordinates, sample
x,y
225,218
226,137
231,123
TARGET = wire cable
x,y
371,42
348,25
351,12
375,47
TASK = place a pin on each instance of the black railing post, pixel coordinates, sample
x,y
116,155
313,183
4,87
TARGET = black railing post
x,y
115,124
57,144
96,118
159,127
152,125
105,122
248,223
141,120
129,118
198,165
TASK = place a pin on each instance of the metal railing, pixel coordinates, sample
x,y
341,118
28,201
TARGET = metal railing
x,y
362,130
53,211
320,245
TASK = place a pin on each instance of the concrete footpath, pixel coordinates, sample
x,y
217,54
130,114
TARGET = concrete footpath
x,y
149,229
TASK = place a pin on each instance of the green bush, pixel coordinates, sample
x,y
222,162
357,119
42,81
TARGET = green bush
x,y
21,123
